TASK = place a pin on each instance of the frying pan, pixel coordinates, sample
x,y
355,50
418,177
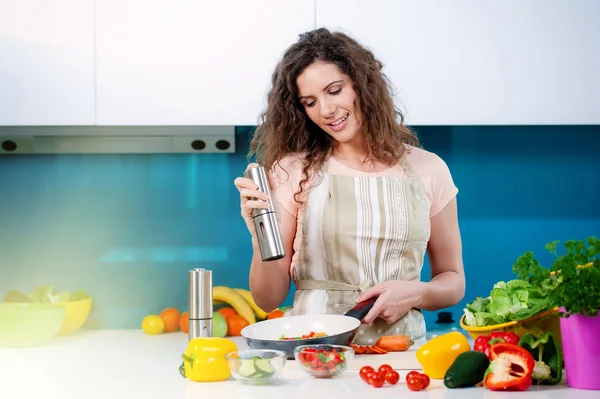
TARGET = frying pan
x,y
340,329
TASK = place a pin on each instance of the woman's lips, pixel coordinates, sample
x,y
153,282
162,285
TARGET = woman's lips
x,y
340,123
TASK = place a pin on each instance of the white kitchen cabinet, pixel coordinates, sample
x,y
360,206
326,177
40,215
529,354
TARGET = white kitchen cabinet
x,y
191,62
46,62
470,62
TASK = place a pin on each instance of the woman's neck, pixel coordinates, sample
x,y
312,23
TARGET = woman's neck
x,y
355,156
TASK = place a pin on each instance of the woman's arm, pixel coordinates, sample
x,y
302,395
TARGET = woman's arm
x,y
447,285
270,281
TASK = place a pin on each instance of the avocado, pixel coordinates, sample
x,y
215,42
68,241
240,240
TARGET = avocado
x,y
467,370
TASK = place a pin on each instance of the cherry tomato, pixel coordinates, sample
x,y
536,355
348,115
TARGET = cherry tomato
x,y
364,372
384,368
392,377
414,383
424,380
412,374
376,379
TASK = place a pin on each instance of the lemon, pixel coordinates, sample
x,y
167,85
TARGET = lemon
x,y
153,324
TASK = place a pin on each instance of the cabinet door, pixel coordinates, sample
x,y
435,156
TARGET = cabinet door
x,y
46,62
191,62
481,62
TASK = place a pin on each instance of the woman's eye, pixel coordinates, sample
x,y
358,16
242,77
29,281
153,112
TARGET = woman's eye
x,y
310,104
336,91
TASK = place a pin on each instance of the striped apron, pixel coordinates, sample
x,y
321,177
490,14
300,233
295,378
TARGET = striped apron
x,y
359,231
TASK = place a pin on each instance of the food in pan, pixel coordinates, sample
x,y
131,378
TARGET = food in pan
x,y
312,334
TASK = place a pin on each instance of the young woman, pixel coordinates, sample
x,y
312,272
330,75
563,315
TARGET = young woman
x,y
359,202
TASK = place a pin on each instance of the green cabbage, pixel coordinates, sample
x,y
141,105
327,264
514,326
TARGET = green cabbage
x,y
45,294
513,300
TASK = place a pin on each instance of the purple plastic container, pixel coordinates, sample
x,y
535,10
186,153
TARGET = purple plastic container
x,y
581,348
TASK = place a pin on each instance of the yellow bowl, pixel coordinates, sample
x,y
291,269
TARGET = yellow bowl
x,y
77,313
537,324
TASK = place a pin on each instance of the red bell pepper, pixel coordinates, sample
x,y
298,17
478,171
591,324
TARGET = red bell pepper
x,y
510,368
483,342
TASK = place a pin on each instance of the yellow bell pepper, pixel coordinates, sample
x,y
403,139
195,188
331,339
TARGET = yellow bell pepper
x,y
437,355
204,359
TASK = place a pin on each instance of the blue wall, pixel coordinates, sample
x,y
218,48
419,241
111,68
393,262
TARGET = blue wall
x,y
126,228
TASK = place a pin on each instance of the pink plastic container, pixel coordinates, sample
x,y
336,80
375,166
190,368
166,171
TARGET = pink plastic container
x,y
581,349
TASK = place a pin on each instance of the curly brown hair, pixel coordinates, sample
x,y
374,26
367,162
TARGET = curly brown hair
x,y
285,127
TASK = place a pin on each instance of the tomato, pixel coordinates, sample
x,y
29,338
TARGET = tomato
x,y
384,368
376,379
364,372
424,380
414,383
392,377
412,374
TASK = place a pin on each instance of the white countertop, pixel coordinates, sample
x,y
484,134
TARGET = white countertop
x,y
130,364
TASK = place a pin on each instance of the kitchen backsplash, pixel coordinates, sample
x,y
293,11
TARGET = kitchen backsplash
x,y
126,228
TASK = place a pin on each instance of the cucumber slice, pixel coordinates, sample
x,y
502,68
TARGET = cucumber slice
x,y
264,367
247,368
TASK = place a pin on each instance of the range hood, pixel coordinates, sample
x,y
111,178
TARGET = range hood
x,y
18,140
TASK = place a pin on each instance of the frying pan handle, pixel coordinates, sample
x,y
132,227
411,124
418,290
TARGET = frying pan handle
x,y
362,308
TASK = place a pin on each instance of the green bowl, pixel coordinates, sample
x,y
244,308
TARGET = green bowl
x,y
29,324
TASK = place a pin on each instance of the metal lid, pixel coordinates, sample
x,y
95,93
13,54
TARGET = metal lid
x,y
200,294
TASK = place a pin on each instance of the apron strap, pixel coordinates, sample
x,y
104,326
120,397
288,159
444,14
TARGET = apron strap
x,y
330,285
408,169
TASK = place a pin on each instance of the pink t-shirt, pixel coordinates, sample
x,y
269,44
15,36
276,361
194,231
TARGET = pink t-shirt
x,y
431,169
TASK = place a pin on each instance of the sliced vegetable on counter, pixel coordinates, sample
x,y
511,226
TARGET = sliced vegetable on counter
x,y
437,355
483,342
510,368
468,370
367,349
548,357
204,359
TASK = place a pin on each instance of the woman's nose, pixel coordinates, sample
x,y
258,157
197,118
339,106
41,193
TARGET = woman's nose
x,y
327,109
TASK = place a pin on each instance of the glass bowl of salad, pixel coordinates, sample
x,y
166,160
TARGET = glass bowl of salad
x,y
322,360
256,366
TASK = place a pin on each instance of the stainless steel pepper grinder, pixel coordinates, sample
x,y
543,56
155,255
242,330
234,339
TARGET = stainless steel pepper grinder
x,y
268,233
200,297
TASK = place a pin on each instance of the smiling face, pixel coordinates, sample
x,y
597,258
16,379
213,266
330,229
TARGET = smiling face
x,y
330,102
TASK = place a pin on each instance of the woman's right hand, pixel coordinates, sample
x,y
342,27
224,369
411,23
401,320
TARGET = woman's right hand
x,y
250,198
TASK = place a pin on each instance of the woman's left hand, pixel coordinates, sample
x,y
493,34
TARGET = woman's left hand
x,y
396,298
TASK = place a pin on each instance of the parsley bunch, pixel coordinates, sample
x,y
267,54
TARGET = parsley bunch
x,y
567,284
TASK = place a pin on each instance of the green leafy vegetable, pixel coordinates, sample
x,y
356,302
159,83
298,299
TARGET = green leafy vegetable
x,y
45,294
508,301
567,283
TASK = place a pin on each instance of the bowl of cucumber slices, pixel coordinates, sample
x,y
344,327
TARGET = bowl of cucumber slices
x,y
256,366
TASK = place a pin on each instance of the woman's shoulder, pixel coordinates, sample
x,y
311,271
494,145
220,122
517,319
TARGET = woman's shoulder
x,y
289,169
435,174
291,162
422,159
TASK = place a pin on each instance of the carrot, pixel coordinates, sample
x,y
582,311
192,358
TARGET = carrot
x,y
379,350
394,343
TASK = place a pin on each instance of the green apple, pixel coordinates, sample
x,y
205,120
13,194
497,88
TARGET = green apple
x,y
219,325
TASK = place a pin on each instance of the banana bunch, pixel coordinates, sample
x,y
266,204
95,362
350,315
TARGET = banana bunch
x,y
261,314
240,300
